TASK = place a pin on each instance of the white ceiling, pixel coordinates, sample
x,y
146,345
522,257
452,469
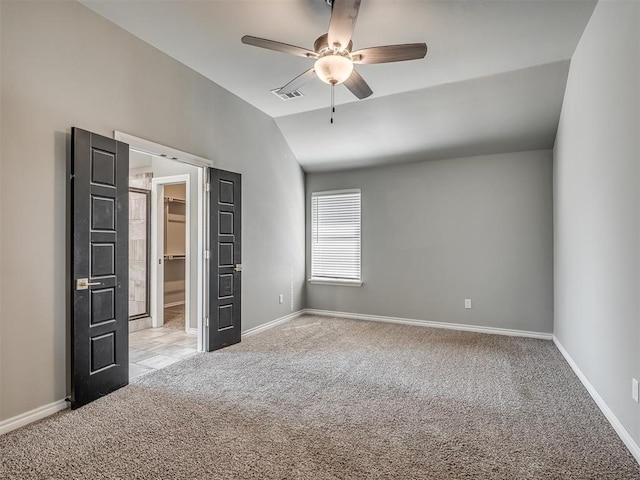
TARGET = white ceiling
x,y
492,81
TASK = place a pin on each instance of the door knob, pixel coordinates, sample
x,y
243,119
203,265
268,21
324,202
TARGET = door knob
x,y
84,283
238,267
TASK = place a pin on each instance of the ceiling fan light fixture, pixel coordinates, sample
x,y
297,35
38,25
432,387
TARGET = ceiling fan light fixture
x,y
334,55
333,69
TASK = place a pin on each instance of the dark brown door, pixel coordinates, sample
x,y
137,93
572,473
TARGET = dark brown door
x,y
225,259
99,189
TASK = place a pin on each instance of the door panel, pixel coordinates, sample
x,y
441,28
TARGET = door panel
x,y
225,263
99,183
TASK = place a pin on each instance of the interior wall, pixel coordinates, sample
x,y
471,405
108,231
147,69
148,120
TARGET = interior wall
x,y
436,233
63,65
596,185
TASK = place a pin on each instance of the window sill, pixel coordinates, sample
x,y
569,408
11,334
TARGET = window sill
x,y
335,281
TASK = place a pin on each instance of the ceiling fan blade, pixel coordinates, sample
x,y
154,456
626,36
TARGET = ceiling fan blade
x,y
356,85
278,46
344,14
390,53
297,82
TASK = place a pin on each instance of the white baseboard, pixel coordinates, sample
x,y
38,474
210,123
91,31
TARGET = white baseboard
x,y
174,304
427,323
271,324
613,420
192,331
32,416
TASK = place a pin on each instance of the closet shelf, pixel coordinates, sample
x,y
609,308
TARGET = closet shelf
x,y
179,256
176,217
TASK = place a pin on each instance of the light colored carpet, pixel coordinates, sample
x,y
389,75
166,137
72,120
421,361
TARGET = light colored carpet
x,y
174,318
321,398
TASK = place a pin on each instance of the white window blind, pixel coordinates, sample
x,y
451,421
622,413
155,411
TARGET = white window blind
x,y
335,235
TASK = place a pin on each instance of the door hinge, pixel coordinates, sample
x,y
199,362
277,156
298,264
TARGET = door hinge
x,y
206,254
206,322
207,187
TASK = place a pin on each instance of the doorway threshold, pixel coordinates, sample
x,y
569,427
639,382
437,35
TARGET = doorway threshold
x,y
156,348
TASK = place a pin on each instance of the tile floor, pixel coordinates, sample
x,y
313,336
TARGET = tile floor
x,y
156,348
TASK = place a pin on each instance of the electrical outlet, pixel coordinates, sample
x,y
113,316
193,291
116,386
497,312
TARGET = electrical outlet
x,y
281,298
634,389
467,303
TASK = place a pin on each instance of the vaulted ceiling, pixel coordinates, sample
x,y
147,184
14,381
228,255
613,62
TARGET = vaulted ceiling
x,y
493,79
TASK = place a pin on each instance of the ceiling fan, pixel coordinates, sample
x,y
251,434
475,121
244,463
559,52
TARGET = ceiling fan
x,y
333,53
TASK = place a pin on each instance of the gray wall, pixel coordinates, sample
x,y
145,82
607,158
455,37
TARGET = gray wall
x,y
63,65
596,208
435,233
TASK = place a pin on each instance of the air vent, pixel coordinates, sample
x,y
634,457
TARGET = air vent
x,y
287,96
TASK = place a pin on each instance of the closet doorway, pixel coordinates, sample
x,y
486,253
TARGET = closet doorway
x,y
171,234
167,235
210,211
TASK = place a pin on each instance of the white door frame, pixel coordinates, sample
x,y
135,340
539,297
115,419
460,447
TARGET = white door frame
x,y
152,148
157,248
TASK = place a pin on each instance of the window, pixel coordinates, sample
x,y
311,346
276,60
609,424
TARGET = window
x,y
335,237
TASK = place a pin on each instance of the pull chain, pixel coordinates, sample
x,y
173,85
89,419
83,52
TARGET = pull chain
x,y
333,108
